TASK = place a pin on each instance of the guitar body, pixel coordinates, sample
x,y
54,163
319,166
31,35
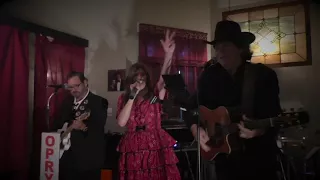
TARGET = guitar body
x,y
65,132
65,141
229,143
223,135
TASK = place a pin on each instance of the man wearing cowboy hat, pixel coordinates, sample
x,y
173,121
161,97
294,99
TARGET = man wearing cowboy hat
x,y
222,84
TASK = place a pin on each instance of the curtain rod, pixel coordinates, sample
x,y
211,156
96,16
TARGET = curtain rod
x,y
28,26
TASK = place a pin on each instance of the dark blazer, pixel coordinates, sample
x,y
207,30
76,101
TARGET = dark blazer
x,y
87,149
218,88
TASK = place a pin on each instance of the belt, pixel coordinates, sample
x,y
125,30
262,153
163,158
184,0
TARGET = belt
x,y
140,128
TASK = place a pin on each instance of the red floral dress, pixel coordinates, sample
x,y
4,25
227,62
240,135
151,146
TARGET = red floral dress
x,y
146,154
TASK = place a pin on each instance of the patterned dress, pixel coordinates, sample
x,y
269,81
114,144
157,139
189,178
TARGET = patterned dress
x,y
146,149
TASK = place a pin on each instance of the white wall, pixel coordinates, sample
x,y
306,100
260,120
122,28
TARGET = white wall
x,y
111,28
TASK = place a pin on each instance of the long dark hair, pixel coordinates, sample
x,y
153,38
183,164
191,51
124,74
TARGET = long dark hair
x,y
246,54
147,92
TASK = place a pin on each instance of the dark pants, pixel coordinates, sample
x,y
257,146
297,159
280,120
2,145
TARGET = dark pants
x,y
70,169
209,171
237,167
72,174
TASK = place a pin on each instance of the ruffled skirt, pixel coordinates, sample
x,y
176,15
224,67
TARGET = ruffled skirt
x,y
148,155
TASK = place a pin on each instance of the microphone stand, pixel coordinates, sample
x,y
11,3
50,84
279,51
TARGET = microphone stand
x,y
48,108
198,141
198,128
198,137
214,62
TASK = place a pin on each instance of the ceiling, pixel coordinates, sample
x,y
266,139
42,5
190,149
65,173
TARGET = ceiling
x,y
225,3
5,1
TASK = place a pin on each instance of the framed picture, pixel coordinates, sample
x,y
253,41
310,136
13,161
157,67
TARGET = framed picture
x,y
282,33
116,80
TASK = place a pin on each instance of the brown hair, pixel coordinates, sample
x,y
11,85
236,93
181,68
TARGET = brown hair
x,y
246,52
80,75
147,92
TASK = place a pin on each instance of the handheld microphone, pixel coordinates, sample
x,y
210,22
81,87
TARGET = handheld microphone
x,y
134,90
58,86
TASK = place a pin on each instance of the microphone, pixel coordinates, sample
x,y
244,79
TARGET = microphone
x,y
58,86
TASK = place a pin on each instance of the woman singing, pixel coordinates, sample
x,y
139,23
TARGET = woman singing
x,y
146,149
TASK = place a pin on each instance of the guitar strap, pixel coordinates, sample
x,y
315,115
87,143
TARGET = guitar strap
x,y
248,89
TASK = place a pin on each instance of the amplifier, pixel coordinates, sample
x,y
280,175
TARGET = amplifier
x,y
179,131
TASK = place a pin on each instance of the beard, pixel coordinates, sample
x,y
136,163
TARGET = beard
x,y
230,65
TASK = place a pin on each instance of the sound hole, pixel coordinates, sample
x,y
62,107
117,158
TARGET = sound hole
x,y
217,140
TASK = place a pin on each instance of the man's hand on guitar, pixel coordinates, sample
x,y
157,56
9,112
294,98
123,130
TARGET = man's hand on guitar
x,y
247,133
79,125
204,138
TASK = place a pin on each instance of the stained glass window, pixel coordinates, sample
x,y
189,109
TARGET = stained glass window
x,y
280,33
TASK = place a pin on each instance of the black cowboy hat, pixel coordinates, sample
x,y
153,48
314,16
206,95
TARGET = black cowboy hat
x,y
230,31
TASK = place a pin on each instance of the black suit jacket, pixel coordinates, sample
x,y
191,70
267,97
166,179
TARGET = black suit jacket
x,y
87,151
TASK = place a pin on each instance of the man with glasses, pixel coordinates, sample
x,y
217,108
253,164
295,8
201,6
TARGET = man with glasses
x,y
84,160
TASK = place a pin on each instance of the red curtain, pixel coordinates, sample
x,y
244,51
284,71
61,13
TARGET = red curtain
x,y
14,78
189,56
54,60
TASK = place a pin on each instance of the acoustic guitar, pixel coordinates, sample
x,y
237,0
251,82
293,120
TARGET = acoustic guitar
x,y
65,132
225,138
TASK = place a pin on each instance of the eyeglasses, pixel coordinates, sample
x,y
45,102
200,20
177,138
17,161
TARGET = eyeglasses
x,y
75,86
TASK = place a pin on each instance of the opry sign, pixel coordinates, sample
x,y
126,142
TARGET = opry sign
x,y
50,155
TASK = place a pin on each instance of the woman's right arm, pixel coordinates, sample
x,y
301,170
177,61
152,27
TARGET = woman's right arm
x,y
124,113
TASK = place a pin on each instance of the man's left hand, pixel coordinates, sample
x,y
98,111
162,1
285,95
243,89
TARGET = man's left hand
x,y
247,133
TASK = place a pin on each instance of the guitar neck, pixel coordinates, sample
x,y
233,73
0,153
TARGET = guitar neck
x,y
66,132
260,124
70,128
281,121
284,120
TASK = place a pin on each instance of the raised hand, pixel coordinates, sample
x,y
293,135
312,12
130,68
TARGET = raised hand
x,y
168,43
